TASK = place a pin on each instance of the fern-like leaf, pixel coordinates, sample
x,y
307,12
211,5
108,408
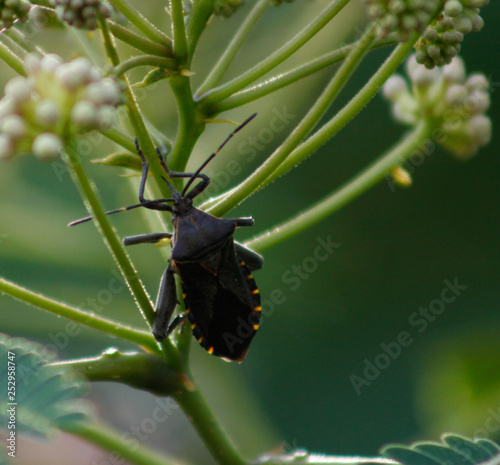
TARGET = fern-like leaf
x,y
453,450
46,395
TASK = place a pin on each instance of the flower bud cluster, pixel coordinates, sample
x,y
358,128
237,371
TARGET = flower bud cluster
x,y
55,100
226,7
401,16
11,10
453,103
81,14
441,41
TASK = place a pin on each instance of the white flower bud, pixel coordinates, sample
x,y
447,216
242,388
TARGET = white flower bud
x,y
463,24
85,115
453,8
455,71
19,88
107,116
479,128
93,92
32,64
478,102
82,67
423,77
6,147
394,87
110,92
7,106
47,146
47,112
68,76
455,95
411,64
477,82
50,62
13,125
477,23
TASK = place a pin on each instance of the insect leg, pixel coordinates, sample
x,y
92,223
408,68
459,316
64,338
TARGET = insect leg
x,y
152,238
176,322
252,259
248,221
165,304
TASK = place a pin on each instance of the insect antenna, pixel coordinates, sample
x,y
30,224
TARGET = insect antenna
x,y
123,209
207,161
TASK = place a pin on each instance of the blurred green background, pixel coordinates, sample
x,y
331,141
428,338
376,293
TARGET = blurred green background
x,y
396,250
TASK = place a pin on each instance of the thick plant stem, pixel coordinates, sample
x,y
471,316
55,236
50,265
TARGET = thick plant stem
x,y
199,414
234,46
140,370
190,123
368,178
240,82
140,22
114,442
252,183
108,326
285,79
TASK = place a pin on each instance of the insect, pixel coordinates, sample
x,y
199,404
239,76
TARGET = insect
x,y
220,294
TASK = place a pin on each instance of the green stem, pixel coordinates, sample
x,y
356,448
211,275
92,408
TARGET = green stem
x,y
354,188
119,138
11,59
108,326
202,418
181,50
344,116
139,370
197,21
190,123
145,60
285,79
252,183
141,23
234,46
134,115
138,42
114,442
19,38
94,207
226,90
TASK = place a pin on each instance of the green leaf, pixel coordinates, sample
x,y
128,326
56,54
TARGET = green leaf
x,y
153,76
454,450
123,160
468,448
46,396
489,445
443,453
304,457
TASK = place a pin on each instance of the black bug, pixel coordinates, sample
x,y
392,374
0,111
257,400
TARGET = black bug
x,y
220,294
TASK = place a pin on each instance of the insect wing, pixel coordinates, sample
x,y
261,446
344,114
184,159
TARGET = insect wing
x,y
222,301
